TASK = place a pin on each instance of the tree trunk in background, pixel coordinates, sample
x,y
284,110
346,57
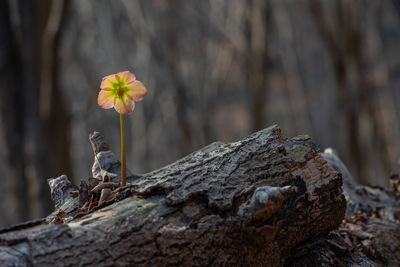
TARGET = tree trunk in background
x,y
29,133
52,102
294,89
359,76
13,111
257,61
340,47
180,92
36,150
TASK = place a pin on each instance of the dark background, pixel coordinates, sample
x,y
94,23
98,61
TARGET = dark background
x,y
214,69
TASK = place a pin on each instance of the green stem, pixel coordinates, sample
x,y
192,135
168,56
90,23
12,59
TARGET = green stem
x,y
123,158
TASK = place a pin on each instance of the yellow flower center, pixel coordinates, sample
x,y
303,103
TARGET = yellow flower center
x,y
119,88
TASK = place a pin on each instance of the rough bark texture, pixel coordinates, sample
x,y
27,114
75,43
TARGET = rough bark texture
x,y
369,234
366,199
245,203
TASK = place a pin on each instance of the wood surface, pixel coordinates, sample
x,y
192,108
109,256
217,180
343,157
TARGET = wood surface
x,y
233,204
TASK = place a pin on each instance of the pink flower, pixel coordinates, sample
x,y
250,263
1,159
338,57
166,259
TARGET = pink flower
x,y
120,91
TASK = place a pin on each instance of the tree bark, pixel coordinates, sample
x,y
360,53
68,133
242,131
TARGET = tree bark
x,y
244,203
369,234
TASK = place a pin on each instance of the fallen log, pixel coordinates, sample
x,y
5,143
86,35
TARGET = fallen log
x,y
244,203
370,232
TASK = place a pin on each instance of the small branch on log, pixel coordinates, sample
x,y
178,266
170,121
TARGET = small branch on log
x,y
105,162
60,190
97,189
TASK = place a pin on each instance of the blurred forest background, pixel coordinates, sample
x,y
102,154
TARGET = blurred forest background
x,y
214,69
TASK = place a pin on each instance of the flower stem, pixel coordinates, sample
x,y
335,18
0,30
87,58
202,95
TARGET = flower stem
x,y
123,158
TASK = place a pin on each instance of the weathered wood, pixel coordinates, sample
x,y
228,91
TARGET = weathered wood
x,y
369,234
243,203
372,223
105,162
331,250
363,198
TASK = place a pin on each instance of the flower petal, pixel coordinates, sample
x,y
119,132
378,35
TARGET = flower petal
x,y
137,91
126,76
124,105
108,82
106,99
